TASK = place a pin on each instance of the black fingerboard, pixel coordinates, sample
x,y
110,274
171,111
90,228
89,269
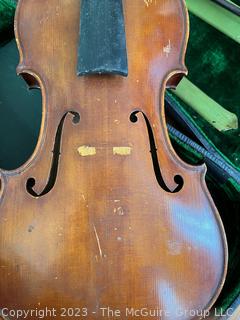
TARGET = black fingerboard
x,y
102,45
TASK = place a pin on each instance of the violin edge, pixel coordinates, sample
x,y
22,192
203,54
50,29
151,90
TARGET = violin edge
x,y
23,69
176,74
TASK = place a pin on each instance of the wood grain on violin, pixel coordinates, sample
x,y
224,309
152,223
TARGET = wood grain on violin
x,y
104,213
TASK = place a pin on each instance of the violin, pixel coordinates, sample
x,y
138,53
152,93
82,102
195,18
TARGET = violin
x,y
104,219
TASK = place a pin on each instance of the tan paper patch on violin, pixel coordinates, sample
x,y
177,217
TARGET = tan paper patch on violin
x,y
85,151
122,151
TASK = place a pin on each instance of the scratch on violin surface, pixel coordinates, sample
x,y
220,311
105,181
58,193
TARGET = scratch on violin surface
x,y
98,242
168,48
119,211
174,247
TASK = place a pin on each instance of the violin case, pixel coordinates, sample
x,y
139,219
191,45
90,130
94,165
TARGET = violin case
x,y
213,63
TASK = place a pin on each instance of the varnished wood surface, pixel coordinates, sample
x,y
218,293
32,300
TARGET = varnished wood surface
x,y
107,234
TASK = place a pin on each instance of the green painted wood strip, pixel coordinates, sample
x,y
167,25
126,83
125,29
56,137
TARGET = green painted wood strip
x,y
210,110
220,18
229,5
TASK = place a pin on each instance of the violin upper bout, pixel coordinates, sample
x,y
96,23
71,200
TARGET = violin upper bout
x,y
176,75
23,69
17,21
156,42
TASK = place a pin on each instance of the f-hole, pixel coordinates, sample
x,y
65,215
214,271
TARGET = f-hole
x,y
153,150
31,182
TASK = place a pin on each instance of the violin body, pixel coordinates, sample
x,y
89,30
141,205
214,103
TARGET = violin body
x,y
104,213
